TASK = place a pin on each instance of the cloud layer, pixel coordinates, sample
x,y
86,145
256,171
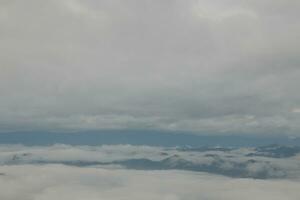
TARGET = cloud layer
x,y
262,163
50,182
198,65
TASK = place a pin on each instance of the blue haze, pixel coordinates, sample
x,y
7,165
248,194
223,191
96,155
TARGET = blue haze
x,y
141,137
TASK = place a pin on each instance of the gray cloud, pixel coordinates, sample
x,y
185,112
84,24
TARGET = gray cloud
x,y
217,66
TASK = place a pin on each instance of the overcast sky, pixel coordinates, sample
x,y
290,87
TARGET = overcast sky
x,y
218,66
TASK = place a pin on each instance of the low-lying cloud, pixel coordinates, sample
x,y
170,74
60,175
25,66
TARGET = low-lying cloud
x,y
48,182
270,162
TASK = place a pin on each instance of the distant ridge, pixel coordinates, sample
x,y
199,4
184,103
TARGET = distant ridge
x,y
141,137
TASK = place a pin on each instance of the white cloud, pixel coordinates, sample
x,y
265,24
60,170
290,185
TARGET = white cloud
x,y
235,163
29,182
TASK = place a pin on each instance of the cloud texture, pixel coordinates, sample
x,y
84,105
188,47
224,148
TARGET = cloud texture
x,y
198,65
50,182
271,162
78,172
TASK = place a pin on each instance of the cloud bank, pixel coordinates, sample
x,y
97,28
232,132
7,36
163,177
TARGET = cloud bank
x,y
198,65
269,162
29,182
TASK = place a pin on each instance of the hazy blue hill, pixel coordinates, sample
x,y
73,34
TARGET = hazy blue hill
x,y
141,137
276,151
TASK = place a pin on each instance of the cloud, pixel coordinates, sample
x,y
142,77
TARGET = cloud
x,y
50,182
296,110
202,66
270,162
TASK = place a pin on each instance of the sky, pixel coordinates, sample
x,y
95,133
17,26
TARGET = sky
x,y
200,66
